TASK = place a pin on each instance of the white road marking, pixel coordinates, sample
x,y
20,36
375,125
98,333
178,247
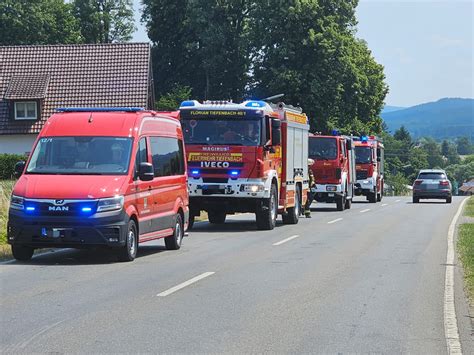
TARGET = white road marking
x,y
184,284
336,220
450,322
366,210
286,240
384,204
397,200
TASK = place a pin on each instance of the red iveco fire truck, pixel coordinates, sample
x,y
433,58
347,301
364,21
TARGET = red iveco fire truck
x,y
333,169
369,152
247,157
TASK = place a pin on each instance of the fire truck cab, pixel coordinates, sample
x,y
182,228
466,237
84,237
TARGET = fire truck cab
x,y
369,152
333,169
247,157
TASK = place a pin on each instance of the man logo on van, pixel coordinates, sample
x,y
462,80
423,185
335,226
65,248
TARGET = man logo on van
x,y
214,164
58,208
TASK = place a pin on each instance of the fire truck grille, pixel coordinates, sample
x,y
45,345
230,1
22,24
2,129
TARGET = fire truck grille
x,y
362,174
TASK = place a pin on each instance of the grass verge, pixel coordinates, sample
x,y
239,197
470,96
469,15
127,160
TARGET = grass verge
x,y
466,250
469,210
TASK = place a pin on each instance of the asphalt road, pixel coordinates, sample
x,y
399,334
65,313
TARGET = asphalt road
x,y
370,279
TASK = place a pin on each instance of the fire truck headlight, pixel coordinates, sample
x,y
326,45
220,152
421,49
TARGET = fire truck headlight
x,y
251,188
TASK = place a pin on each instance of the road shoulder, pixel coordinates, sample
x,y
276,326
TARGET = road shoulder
x,y
464,308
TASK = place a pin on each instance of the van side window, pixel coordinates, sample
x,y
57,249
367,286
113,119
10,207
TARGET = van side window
x,y
167,156
142,155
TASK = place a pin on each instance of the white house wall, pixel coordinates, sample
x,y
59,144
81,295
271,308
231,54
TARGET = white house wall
x,y
17,143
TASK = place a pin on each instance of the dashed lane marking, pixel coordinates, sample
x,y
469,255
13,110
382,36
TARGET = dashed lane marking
x,y
384,204
366,210
336,220
286,240
184,284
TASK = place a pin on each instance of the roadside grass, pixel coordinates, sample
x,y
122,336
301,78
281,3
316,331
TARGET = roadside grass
x,y
466,250
469,210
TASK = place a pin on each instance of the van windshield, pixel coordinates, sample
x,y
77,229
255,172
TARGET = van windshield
x,y
81,156
223,131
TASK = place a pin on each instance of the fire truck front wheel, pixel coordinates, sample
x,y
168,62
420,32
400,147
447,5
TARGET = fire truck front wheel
x,y
293,213
341,202
372,196
266,215
216,217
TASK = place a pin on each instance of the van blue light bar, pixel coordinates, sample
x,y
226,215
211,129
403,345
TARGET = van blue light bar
x,y
99,109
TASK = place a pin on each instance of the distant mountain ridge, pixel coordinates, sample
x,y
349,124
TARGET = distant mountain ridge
x,y
446,118
387,108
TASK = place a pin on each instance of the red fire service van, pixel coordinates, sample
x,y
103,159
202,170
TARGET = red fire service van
x,y
247,157
369,152
333,169
101,177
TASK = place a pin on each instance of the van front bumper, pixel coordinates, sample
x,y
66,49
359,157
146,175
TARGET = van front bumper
x,y
101,229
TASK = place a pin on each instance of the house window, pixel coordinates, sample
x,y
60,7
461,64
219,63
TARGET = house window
x,y
26,110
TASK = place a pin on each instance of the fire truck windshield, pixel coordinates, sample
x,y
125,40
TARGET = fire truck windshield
x,y
222,131
322,148
363,155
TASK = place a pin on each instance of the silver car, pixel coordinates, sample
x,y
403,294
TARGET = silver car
x,y
432,183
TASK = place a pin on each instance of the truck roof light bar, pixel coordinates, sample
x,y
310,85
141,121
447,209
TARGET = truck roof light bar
x,y
99,109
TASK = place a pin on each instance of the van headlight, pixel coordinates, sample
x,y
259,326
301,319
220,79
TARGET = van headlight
x,y
17,202
110,204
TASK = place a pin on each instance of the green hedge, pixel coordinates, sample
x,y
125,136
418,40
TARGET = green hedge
x,y
7,164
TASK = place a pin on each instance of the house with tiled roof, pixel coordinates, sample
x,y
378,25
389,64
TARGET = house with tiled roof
x,y
35,80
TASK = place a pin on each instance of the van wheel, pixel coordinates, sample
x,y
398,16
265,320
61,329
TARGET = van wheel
x,y
129,251
22,253
416,199
191,222
293,213
266,216
173,242
216,217
449,199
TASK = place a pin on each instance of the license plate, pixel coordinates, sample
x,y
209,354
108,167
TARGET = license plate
x,y
52,232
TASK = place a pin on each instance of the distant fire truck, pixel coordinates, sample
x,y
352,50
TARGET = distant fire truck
x,y
333,169
247,157
369,152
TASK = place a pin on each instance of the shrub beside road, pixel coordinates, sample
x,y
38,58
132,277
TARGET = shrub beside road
x,y
6,187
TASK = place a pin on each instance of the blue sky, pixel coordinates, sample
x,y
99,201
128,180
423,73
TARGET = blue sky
x,y
425,46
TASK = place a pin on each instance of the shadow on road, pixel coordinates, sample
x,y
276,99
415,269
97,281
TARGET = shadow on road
x,y
73,257
230,226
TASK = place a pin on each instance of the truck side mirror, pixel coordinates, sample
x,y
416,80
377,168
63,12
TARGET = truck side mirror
x,y
145,171
348,144
276,132
19,168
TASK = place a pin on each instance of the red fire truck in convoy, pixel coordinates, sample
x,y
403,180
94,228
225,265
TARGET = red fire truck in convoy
x,y
247,157
369,152
333,169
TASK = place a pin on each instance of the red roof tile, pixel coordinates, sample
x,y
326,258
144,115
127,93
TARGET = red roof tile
x,y
101,75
